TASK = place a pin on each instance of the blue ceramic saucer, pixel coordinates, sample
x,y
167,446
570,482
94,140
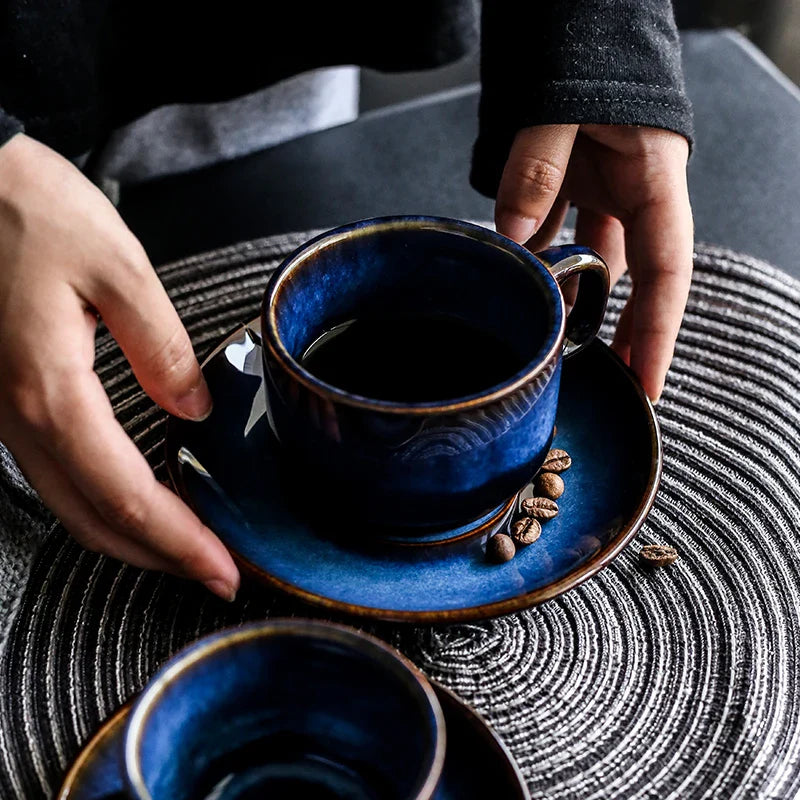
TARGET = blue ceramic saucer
x,y
477,764
230,471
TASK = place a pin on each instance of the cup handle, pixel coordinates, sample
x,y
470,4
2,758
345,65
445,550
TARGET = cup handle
x,y
587,314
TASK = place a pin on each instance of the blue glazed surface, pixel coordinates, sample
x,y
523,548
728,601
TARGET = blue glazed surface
x,y
436,464
477,765
293,695
230,472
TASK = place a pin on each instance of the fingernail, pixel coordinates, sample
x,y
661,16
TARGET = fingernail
x,y
222,589
516,227
196,404
656,395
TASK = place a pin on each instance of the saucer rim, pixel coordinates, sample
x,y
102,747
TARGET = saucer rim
x,y
88,750
117,718
498,608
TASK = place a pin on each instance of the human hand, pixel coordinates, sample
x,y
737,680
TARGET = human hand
x,y
65,257
629,184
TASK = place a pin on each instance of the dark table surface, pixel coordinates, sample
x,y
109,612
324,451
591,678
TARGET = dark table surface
x,y
744,174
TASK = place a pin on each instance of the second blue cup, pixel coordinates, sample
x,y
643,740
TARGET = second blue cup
x,y
285,708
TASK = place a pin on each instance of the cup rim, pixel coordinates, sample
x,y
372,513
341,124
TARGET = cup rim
x,y
194,652
272,340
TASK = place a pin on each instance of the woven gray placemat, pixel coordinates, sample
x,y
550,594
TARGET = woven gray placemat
x,y
673,684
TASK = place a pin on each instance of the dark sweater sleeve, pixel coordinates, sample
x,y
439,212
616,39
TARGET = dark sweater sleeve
x,y
575,61
9,126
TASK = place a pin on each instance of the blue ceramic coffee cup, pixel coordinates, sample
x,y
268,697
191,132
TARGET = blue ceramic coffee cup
x,y
285,708
429,463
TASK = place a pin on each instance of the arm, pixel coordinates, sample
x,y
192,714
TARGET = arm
x,y
583,102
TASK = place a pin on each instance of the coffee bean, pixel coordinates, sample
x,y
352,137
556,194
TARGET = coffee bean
x,y
658,555
548,484
500,548
557,461
526,531
540,507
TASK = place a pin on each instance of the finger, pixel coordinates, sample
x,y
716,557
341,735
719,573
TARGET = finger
x,y
331,421
605,235
622,336
76,514
585,183
550,227
661,237
80,432
532,178
569,291
135,307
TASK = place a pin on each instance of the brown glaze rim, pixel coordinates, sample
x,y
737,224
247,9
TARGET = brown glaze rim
x,y
272,341
89,751
482,728
472,533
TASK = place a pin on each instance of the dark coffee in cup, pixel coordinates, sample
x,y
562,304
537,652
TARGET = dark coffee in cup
x,y
411,357
289,767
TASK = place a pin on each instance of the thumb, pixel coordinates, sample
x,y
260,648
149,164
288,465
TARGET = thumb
x,y
140,316
532,179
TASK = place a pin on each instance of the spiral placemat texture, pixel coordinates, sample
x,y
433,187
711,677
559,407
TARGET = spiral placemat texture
x,y
672,683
